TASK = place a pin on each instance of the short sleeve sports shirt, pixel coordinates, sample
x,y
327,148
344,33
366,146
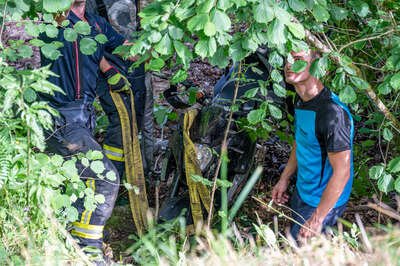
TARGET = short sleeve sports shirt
x,y
322,125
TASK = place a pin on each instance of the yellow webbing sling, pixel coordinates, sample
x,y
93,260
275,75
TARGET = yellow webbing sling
x,y
197,191
133,162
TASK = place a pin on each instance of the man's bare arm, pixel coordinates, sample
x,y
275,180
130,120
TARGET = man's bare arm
x,y
340,162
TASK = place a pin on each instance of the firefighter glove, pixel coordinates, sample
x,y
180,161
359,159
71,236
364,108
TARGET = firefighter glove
x,y
116,81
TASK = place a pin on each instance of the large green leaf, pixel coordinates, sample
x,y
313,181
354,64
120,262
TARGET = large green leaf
x,y
70,35
87,46
256,116
183,52
397,185
54,6
264,12
375,172
276,32
210,29
299,66
385,183
359,83
50,51
395,81
82,27
297,5
320,13
197,22
394,165
164,47
275,111
348,95
221,20
297,30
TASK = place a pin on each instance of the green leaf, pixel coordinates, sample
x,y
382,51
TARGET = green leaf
x,y
180,76
70,35
212,46
320,13
50,51
276,76
339,13
197,22
101,38
375,172
385,183
348,95
97,167
339,80
263,12
275,59
85,162
221,20
155,37
82,27
220,58
111,176
395,81
297,30
183,52
210,29
397,185
387,134
57,160
276,32
251,93
359,83
94,155
156,64
299,66
319,66
29,95
25,51
164,47
175,32
51,31
206,6
279,90
384,88
201,48
297,5
256,116
54,6
100,199
360,7
394,165
87,46
275,111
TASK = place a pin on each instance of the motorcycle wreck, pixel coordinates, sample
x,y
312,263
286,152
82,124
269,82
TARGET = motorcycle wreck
x,y
193,152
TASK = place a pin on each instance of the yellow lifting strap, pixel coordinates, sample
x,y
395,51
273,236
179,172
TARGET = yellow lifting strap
x,y
197,191
133,162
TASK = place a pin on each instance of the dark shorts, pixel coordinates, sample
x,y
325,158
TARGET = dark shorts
x,y
302,212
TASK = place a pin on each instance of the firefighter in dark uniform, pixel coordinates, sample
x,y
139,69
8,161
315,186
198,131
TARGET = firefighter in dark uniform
x,y
76,76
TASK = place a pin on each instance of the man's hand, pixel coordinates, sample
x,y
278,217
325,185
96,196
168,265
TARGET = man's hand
x,y
279,192
116,81
311,227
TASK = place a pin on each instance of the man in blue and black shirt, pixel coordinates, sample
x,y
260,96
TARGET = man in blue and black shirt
x,y
321,155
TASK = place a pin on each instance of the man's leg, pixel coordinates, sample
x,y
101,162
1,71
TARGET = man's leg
x,y
89,228
302,212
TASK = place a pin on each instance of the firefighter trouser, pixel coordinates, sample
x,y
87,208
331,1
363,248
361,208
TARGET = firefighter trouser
x,y
113,146
73,133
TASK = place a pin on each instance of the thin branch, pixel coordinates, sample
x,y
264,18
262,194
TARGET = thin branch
x,y
366,39
224,144
311,38
368,66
